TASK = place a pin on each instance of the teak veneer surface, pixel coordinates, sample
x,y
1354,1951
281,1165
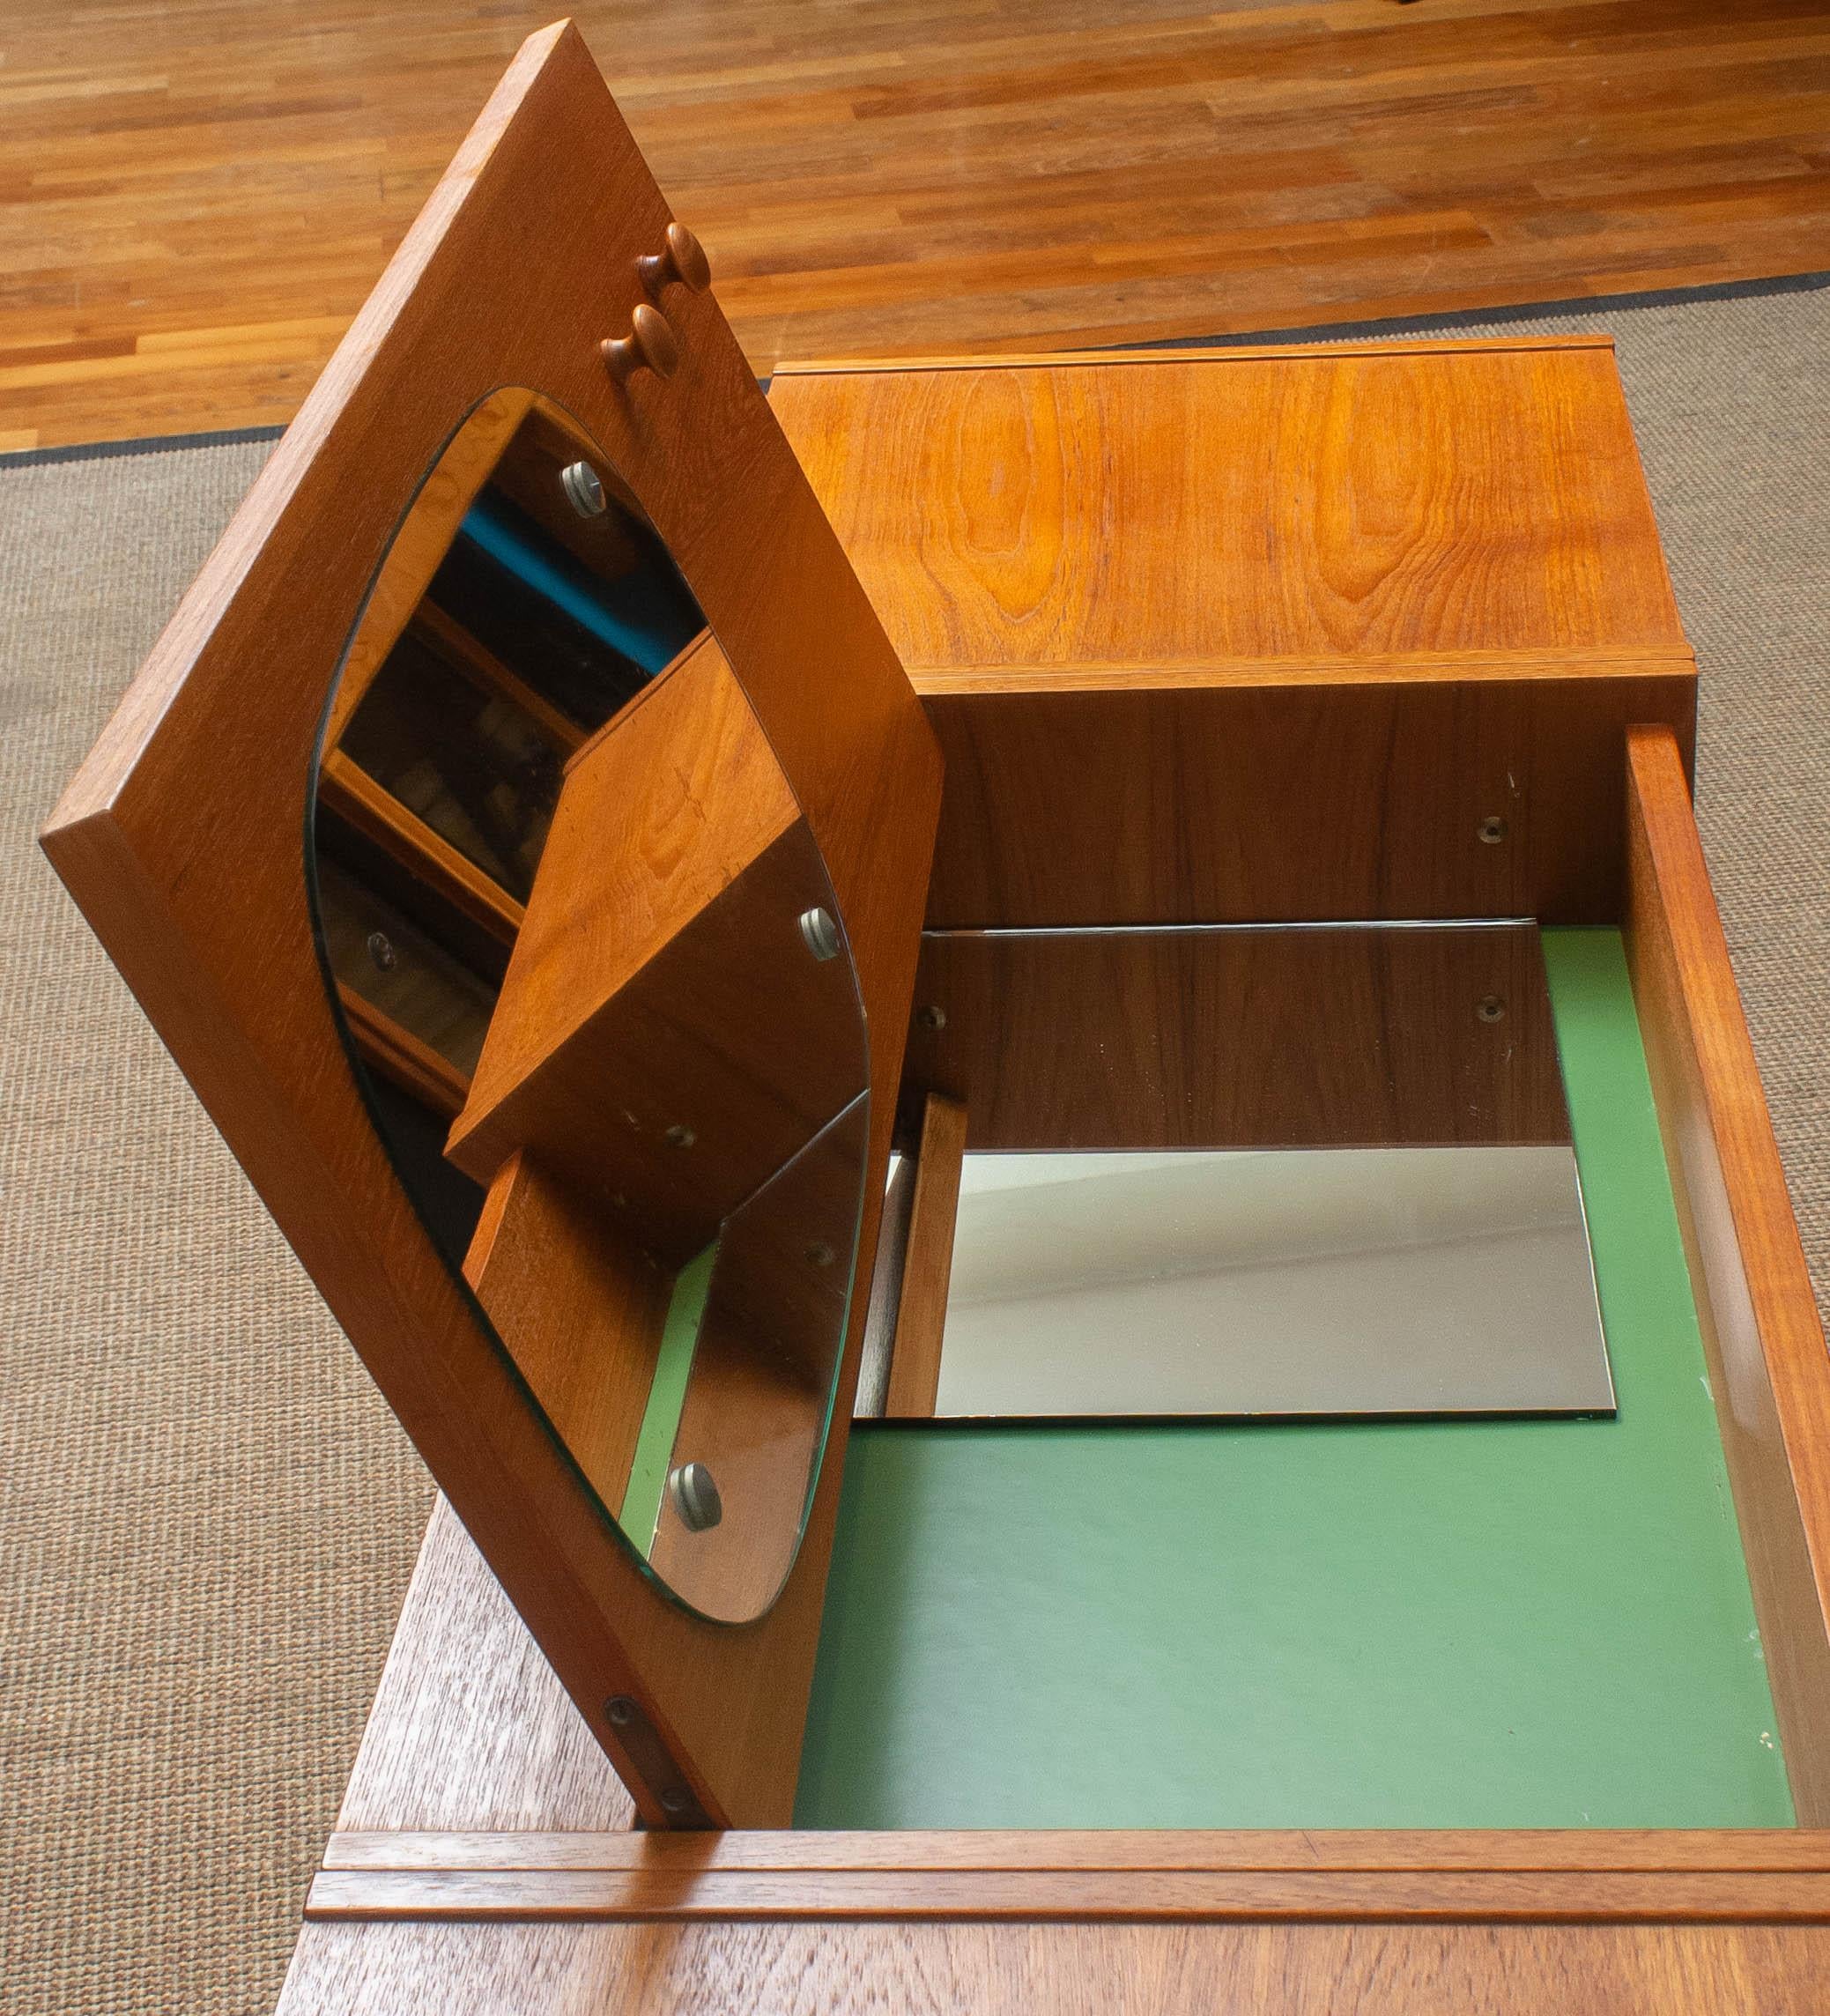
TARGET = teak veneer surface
x,y
1114,1042
1268,635
1074,1971
196,194
1183,511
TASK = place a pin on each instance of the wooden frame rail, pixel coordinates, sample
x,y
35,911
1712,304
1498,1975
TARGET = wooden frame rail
x,y
1762,1334
1429,1876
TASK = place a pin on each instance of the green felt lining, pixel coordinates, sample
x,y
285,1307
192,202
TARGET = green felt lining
x,y
667,1398
1480,1624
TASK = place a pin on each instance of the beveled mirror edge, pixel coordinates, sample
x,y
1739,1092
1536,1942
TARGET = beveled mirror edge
x,y
217,951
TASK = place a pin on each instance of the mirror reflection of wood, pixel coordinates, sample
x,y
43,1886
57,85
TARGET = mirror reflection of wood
x,y
587,953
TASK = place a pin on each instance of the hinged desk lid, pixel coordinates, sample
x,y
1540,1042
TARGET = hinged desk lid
x,y
590,979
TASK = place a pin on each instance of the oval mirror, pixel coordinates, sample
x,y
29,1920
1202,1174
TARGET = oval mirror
x,y
596,985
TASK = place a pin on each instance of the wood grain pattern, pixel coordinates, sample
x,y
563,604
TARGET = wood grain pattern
x,y
1268,636
1239,1038
419,548
1064,1851
1761,1333
1590,1896
521,261
348,790
194,203
1193,508
581,1309
471,1726
1079,1970
664,1037
927,1259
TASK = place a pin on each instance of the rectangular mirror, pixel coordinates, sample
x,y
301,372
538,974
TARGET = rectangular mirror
x,y
1300,1281
1347,1187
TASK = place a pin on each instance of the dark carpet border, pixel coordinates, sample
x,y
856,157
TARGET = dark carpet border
x,y
1451,319
1448,320
137,444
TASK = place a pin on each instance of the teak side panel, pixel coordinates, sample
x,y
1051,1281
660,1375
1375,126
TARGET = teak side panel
x,y
1268,635
522,261
1352,794
1768,1363
1180,511
1109,1040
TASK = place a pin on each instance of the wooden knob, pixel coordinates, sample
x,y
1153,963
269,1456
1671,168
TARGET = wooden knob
x,y
651,345
684,260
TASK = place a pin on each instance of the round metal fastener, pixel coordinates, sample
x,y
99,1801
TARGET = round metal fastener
x,y
675,1801
819,933
1490,1008
822,1255
931,1017
619,1711
1491,831
381,953
694,1492
584,489
678,1137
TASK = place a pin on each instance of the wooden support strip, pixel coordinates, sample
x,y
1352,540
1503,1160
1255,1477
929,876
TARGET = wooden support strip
x,y
1230,353
350,791
1761,1333
1570,1896
487,671
402,1058
1512,666
927,1262
799,1851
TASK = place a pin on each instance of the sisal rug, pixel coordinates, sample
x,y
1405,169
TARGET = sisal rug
x,y
207,1518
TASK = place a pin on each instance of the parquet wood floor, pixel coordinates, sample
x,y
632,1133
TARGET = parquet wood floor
x,y
195,194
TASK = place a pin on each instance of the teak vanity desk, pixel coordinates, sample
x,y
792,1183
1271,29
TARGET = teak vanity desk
x,y
588,814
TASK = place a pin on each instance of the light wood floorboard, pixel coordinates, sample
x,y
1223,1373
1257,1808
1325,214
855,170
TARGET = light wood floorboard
x,y
196,194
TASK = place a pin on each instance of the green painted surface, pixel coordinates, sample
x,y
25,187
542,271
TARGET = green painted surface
x,y
1435,1624
666,1396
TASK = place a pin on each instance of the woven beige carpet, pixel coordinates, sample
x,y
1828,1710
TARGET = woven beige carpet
x,y
206,1515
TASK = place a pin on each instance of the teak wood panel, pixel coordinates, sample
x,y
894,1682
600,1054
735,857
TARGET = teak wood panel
x,y
1239,1038
661,981
1274,635
1761,1331
1192,509
1280,1969
581,1307
523,261
1071,1895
